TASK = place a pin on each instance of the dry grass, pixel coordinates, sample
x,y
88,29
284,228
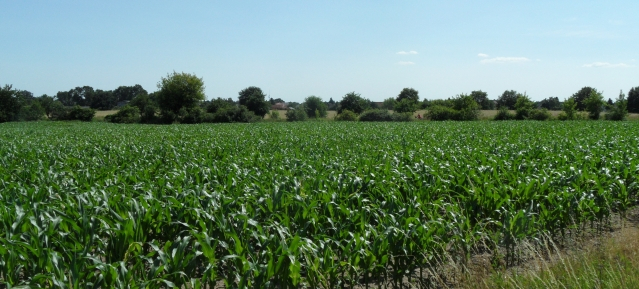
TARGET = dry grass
x,y
100,114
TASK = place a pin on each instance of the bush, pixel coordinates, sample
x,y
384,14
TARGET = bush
x,y
405,105
127,114
376,115
539,114
298,114
346,115
31,111
619,110
403,117
440,112
79,113
191,115
231,114
315,107
504,114
275,115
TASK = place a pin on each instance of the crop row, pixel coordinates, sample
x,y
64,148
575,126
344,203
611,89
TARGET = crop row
x,y
293,205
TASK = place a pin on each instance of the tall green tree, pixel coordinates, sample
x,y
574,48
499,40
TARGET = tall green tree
x,y
389,103
410,94
581,95
254,99
9,104
594,104
523,107
481,98
179,93
405,105
315,107
551,103
619,109
507,99
633,100
570,108
353,102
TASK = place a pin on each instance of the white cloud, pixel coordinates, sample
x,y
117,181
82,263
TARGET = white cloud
x,y
406,63
606,65
412,52
483,55
505,60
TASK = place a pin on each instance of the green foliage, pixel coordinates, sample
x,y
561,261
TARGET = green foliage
x,y
467,107
504,114
298,205
298,114
405,105
126,114
440,113
409,94
179,92
254,99
508,99
353,102
231,114
9,105
550,103
402,116
633,100
539,114
30,110
147,106
376,115
80,113
523,107
581,96
313,104
569,110
389,103
275,115
619,109
594,104
481,98
346,115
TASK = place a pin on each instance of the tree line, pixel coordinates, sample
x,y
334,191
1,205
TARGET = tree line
x,y
180,99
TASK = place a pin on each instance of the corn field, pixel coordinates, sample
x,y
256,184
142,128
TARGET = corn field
x,y
294,205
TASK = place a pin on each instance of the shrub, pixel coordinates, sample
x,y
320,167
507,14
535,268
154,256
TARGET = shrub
x,y
594,104
403,117
127,114
405,105
619,110
346,115
504,114
275,115
440,112
539,114
79,113
298,114
376,115
467,107
231,114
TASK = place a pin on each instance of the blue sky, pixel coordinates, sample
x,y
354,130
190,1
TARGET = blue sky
x,y
293,49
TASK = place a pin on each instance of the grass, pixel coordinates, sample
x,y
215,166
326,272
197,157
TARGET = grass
x,y
606,263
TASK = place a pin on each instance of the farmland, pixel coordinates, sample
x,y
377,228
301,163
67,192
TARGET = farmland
x,y
314,204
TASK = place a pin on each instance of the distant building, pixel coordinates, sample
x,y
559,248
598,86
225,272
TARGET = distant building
x,y
279,106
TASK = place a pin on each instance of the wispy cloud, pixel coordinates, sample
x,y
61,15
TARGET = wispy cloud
x,y
606,65
505,60
483,55
406,63
412,52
